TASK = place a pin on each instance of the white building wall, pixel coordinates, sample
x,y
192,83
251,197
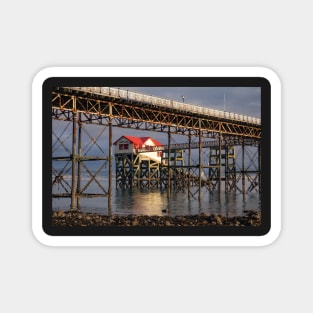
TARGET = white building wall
x,y
149,142
152,155
123,141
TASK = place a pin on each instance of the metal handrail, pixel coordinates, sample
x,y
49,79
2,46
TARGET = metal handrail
x,y
163,102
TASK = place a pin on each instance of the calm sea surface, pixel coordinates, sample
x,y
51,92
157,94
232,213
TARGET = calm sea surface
x,y
150,202
154,201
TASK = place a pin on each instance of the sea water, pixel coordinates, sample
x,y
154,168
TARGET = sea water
x,y
151,201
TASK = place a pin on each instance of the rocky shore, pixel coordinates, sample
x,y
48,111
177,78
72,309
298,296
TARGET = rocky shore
x,y
250,218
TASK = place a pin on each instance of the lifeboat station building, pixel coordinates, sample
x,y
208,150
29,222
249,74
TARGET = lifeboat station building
x,y
138,162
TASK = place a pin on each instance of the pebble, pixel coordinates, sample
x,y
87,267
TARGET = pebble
x,y
68,218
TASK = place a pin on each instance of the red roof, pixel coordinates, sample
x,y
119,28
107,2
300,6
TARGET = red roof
x,y
139,140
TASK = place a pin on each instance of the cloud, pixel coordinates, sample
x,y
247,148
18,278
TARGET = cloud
x,y
242,100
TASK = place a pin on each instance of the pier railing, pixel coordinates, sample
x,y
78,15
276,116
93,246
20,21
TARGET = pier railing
x,y
163,102
193,145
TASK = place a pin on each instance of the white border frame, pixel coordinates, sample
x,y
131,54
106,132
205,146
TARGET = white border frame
x,y
46,73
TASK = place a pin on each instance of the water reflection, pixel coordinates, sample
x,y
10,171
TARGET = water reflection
x,y
139,202
155,202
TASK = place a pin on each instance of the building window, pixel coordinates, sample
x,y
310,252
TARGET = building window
x,y
123,146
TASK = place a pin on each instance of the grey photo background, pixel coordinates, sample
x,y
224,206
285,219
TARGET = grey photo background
x,y
36,278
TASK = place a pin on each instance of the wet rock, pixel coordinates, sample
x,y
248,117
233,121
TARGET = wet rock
x,y
219,220
135,222
63,219
59,214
